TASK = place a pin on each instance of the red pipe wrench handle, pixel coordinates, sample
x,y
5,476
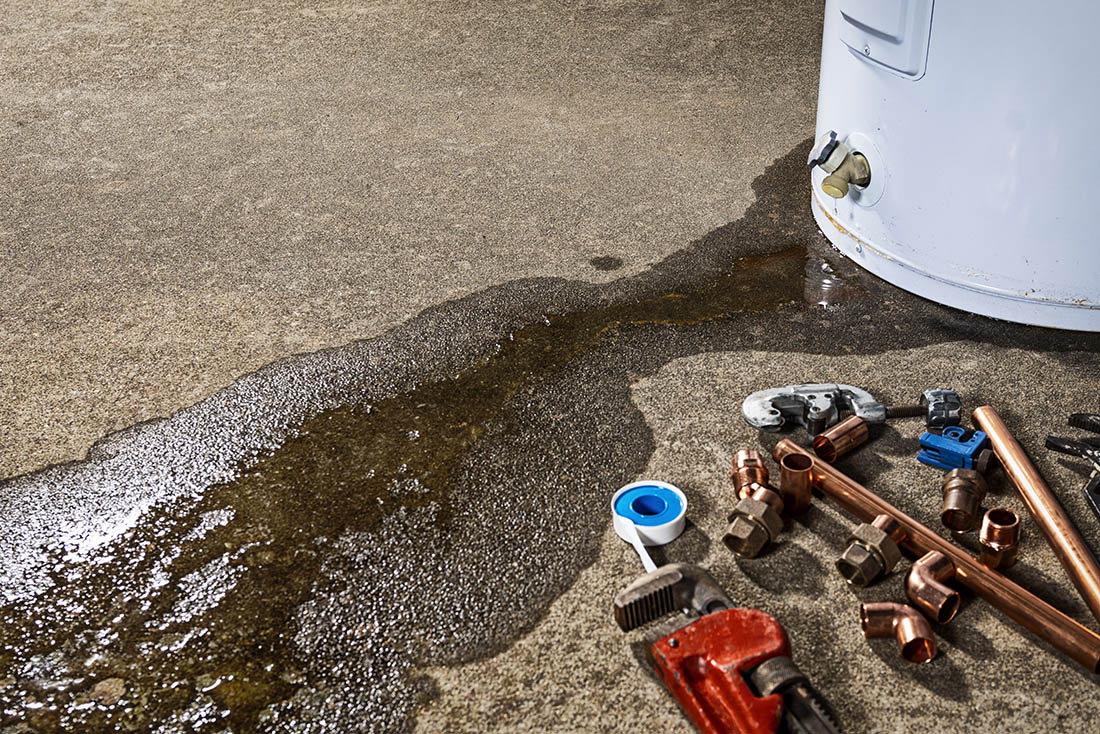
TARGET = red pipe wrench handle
x,y
705,663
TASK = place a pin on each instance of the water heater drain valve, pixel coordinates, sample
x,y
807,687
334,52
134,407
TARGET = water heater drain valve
x,y
843,165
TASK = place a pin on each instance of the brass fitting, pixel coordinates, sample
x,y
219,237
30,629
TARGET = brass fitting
x,y
872,551
756,523
904,623
1000,538
795,482
963,492
842,438
748,473
925,587
854,169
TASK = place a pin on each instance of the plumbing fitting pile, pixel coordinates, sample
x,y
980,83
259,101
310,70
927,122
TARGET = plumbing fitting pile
x,y
717,688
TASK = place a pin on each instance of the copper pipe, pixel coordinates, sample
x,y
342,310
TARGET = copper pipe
x,y
794,483
925,588
842,438
963,492
903,623
1000,537
1043,506
1075,640
748,473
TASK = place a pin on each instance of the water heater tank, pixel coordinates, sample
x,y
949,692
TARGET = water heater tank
x,y
958,152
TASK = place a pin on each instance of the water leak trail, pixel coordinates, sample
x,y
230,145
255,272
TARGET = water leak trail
x,y
283,554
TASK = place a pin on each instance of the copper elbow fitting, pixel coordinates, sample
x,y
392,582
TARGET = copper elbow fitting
x,y
963,492
904,623
1000,537
842,438
795,482
925,587
748,473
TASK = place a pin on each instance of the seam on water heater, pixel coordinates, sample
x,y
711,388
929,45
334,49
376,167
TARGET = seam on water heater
x,y
924,272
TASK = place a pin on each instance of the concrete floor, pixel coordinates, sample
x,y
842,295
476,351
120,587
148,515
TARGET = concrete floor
x,y
521,230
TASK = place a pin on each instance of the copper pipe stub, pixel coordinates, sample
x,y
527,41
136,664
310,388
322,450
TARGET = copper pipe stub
x,y
963,492
841,439
794,483
1000,537
926,590
902,622
1068,545
748,473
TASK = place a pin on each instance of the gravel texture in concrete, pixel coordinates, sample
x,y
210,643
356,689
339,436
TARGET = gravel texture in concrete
x,y
520,213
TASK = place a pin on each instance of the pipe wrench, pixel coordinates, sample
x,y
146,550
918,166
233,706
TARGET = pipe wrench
x,y
728,668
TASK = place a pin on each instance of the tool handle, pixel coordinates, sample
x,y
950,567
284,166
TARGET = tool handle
x,y
1086,421
1092,494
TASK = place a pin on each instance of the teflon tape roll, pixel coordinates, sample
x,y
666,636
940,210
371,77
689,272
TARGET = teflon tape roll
x,y
655,509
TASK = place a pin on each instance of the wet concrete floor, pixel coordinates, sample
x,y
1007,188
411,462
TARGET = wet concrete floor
x,y
295,551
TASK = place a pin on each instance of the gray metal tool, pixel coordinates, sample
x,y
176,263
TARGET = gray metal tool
x,y
815,406
1087,448
820,405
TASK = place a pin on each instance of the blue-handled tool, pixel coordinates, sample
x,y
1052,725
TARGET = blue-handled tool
x,y
955,449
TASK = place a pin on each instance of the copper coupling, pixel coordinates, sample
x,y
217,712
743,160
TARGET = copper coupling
x,y
872,551
963,492
795,483
841,439
755,520
1000,538
902,622
926,589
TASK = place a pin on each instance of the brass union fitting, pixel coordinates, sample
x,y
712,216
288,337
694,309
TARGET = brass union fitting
x,y
872,551
756,523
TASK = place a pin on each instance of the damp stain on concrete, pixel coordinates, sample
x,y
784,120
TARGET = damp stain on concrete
x,y
283,554
606,262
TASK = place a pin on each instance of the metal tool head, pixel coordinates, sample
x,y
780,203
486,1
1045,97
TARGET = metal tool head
x,y
1085,450
1086,421
676,587
943,406
813,405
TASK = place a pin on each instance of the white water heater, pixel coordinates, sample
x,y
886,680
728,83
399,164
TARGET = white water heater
x,y
958,152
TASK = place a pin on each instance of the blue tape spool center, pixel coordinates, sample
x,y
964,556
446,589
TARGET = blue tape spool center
x,y
649,505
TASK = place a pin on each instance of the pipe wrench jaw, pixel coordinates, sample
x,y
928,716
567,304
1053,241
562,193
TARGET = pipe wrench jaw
x,y
705,665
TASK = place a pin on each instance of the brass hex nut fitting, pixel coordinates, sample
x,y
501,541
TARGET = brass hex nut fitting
x,y
872,552
755,524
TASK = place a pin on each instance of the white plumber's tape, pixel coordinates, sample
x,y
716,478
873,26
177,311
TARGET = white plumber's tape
x,y
648,513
